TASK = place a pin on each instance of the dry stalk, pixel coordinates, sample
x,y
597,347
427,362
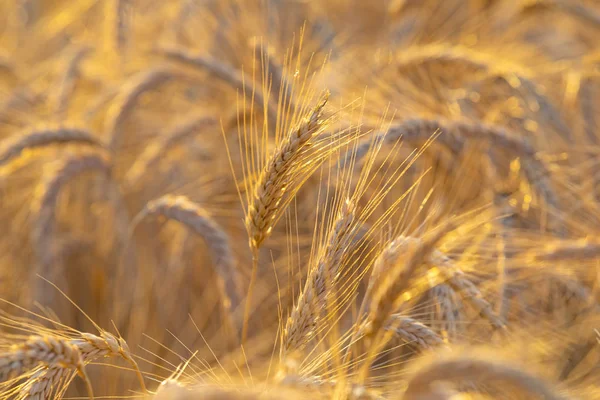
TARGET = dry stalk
x,y
193,216
154,151
462,367
14,145
300,326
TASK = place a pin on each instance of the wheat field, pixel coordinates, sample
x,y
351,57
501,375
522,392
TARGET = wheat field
x,y
281,199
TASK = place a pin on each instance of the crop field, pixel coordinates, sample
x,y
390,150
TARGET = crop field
x,y
300,199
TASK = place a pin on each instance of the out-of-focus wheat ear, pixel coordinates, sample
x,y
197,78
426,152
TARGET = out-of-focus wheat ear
x,y
462,366
251,90
395,267
577,354
93,347
127,97
411,331
455,134
44,203
327,386
48,351
459,281
393,273
588,102
14,145
155,150
197,219
67,81
585,14
274,183
301,324
568,250
448,311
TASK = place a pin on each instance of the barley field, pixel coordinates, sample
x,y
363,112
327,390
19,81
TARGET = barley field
x,y
300,199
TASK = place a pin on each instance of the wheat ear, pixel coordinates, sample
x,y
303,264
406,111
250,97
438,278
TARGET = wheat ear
x,y
196,218
154,151
46,383
566,250
45,200
461,367
586,14
455,134
410,330
32,138
459,281
127,99
448,311
226,74
273,184
300,326
49,351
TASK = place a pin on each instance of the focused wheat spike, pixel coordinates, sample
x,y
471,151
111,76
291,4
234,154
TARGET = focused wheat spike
x,y
279,180
301,324
277,176
478,369
154,151
14,145
44,203
196,218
